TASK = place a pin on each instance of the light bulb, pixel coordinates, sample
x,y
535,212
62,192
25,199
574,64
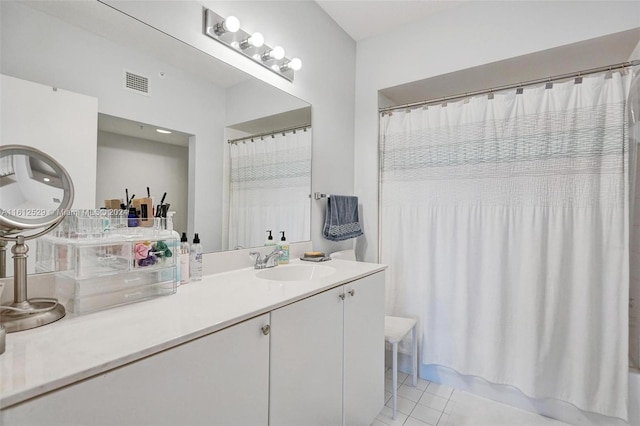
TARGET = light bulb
x,y
255,40
231,24
277,53
295,64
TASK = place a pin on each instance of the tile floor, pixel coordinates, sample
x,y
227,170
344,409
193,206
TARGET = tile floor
x,y
434,404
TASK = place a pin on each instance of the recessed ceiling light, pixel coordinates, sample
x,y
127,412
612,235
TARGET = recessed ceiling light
x,y
166,132
46,179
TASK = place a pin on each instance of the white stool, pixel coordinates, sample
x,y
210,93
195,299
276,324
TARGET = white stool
x,y
395,329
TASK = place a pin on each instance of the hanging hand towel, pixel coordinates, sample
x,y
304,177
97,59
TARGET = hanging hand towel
x,y
341,222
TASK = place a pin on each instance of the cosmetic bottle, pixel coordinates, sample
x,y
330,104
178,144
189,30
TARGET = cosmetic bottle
x,y
284,247
270,241
174,246
145,207
184,259
195,264
132,218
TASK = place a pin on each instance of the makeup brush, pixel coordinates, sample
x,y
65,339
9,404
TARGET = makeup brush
x,y
159,206
163,207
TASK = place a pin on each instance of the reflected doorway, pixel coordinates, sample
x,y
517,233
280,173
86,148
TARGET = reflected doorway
x,y
134,156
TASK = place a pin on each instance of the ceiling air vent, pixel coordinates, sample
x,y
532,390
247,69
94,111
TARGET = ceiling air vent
x,y
136,83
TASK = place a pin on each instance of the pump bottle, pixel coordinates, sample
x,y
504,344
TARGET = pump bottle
x,y
270,241
284,247
195,264
184,259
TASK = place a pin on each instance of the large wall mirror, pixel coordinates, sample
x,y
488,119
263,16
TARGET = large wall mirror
x,y
91,86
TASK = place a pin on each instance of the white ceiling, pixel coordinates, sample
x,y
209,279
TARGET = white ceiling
x,y
135,129
366,18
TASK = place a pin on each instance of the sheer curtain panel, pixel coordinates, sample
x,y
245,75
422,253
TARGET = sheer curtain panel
x,y
269,189
505,225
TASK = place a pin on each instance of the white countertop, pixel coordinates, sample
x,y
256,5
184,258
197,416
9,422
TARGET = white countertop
x,y
74,348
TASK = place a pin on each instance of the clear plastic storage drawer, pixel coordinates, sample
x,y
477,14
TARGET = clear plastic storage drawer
x,y
81,296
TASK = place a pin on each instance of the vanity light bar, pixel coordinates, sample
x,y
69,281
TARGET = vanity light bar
x,y
250,45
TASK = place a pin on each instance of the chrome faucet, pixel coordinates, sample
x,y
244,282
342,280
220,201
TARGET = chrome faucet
x,y
268,261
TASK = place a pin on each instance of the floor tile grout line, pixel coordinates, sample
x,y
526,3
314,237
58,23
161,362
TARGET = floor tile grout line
x,y
422,392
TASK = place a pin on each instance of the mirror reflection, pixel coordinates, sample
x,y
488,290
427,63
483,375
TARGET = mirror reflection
x,y
80,71
269,180
28,184
34,189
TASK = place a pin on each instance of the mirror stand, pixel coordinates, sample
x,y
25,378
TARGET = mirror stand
x,y
37,193
23,313
3,259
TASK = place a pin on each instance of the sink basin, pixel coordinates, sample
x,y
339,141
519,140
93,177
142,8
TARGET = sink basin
x,y
295,272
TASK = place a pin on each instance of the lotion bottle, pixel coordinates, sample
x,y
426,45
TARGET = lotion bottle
x,y
284,247
195,264
184,259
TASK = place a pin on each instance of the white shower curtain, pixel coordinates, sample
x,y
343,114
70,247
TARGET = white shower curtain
x,y
505,226
270,180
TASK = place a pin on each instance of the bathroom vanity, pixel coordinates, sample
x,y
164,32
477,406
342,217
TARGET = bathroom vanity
x,y
295,346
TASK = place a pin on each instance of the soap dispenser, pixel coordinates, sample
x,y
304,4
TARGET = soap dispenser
x,y
270,241
284,247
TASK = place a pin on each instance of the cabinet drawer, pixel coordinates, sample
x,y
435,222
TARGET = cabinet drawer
x,y
82,296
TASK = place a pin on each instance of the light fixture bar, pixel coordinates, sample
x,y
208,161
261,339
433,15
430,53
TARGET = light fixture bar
x,y
250,45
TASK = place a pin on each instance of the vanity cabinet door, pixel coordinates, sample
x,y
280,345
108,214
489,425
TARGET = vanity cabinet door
x,y
364,349
306,362
218,379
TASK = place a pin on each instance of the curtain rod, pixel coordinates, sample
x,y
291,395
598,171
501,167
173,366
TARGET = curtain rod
x,y
511,86
272,133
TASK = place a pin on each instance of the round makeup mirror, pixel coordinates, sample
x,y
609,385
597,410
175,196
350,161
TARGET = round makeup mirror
x,y
35,193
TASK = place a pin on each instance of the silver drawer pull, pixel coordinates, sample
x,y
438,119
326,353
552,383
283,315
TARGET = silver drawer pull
x,y
341,296
266,329
352,292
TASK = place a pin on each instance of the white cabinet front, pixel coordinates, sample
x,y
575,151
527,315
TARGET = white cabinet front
x,y
218,379
306,362
364,350
327,357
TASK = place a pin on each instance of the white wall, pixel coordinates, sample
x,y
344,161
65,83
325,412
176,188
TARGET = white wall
x,y
133,163
469,35
253,99
60,123
326,79
43,49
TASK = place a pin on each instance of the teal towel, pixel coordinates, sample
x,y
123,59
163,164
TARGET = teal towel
x,y
341,221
